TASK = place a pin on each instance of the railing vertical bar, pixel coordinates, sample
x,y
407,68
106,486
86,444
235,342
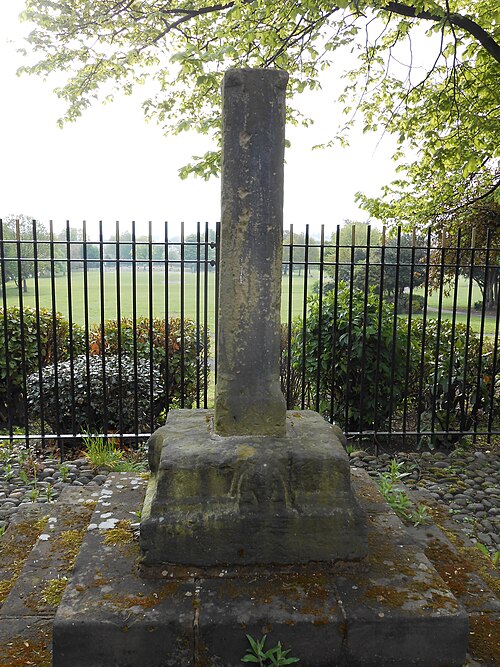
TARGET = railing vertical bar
x,y
38,332
380,316
320,323
394,331
420,402
304,318
334,326
409,321
451,392
70,332
8,388
182,295
464,402
103,330
86,317
54,334
118,327
363,333
350,371
134,327
205,317
217,269
166,308
289,387
496,343
198,312
477,406
20,285
438,337
151,328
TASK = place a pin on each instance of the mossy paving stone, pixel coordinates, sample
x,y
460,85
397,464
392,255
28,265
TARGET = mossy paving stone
x,y
472,578
16,544
53,554
29,643
48,544
116,613
109,614
398,609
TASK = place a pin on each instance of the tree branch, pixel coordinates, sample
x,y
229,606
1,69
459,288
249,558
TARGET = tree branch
x,y
464,22
474,200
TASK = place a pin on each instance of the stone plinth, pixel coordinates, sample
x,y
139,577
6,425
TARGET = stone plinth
x,y
391,608
248,393
249,499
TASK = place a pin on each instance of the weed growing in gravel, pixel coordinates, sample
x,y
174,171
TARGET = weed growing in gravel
x,y
64,471
102,453
397,497
495,557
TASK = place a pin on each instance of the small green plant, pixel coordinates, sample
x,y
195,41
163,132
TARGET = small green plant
x,y
34,494
2,530
420,516
23,476
495,557
8,472
49,493
396,472
6,450
400,502
273,657
102,453
64,470
128,466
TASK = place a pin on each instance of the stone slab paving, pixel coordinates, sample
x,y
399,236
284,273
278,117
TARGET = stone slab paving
x,y
43,542
391,609
472,578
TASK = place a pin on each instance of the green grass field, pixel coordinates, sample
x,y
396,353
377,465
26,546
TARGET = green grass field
x,y
167,296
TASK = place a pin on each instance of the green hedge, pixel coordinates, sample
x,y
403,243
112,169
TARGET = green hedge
x,y
89,399
450,384
34,331
347,361
162,342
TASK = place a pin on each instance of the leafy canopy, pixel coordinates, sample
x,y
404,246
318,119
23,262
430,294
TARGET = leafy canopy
x,y
425,71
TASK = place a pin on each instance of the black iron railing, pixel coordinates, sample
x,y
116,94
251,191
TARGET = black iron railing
x,y
395,338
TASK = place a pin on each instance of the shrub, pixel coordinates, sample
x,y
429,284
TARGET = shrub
x,y
180,387
289,373
32,330
79,401
456,376
347,361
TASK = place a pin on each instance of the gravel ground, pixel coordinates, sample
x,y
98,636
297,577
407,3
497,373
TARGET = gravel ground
x,y
467,482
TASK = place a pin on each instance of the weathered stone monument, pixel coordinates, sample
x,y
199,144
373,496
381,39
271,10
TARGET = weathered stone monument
x,y
250,483
252,522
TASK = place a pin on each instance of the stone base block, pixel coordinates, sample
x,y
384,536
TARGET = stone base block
x,y
391,609
244,500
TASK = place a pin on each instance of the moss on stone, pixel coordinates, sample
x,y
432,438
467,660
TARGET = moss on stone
x,y
13,553
121,534
53,591
483,639
22,651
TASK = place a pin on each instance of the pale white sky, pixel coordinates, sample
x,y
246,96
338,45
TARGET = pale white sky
x,y
111,165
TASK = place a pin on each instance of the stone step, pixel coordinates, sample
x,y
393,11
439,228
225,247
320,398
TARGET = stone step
x,y
37,554
470,575
392,608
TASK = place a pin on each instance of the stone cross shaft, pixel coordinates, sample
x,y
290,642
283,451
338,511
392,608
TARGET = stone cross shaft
x,y
248,393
